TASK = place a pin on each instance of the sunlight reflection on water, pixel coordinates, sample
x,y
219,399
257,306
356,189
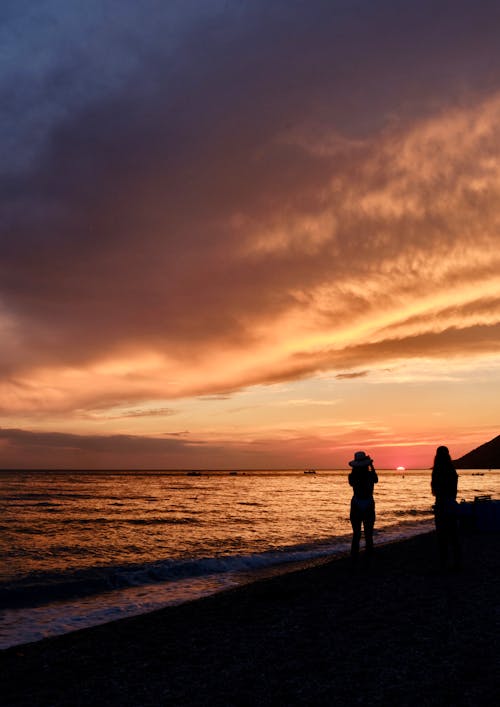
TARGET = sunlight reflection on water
x,y
166,516
124,543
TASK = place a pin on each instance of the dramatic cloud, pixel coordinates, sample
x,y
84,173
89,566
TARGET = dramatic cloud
x,y
199,197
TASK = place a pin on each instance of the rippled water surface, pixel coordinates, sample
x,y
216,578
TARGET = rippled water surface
x,y
168,537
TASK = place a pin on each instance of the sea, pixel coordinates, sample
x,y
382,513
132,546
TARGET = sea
x,y
83,548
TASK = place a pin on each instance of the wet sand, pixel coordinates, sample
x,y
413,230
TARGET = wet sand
x,y
401,633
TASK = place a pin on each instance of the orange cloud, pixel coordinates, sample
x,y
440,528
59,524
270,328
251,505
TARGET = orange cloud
x,y
191,228
399,272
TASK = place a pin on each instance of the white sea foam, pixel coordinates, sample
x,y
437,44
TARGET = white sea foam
x,y
18,626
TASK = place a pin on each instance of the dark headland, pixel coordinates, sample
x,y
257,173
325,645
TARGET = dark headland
x,y
487,456
403,633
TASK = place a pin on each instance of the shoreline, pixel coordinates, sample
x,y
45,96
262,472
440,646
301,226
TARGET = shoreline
x,y
65,614
403,631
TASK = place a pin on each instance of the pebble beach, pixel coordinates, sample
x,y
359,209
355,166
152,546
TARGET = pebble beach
x,y
403,632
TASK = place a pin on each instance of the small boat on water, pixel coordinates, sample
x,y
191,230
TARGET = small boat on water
x,y
193,473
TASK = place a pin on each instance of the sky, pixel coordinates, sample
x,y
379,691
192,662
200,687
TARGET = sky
x,y
248,234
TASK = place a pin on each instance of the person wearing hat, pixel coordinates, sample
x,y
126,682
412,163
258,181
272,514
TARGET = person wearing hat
x,y
362,478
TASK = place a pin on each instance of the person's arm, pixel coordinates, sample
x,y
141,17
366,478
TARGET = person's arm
x,y
375,477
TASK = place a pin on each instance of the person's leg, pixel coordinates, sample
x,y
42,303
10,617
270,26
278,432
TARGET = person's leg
x,y
368,524
441,537
356,534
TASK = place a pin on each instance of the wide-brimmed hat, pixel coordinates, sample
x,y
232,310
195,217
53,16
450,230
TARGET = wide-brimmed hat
x,y
361,459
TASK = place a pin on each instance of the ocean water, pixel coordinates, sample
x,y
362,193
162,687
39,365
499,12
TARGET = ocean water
x,y
79,549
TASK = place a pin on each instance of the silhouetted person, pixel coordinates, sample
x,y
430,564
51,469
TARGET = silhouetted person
x,y
362,478
444,485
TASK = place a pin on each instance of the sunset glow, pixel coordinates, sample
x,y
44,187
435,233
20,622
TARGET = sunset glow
x,y
232,241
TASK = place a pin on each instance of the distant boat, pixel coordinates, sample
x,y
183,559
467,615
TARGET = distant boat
x,y
233,473
193,473
310,471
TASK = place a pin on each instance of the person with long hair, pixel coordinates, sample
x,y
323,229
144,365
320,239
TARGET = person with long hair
x,y
362,478
444,486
